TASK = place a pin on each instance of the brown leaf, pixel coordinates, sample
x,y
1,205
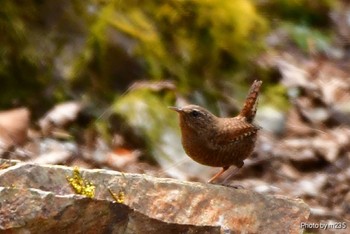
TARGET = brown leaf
x,y
13,127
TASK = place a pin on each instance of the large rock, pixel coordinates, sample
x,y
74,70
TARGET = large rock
x,y
39,198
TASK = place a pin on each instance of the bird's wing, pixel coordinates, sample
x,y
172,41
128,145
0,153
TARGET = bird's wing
x,y
233,130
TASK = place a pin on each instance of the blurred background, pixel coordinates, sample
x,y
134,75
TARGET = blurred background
x,y
88,83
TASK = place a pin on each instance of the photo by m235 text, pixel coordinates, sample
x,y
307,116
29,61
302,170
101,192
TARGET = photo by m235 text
x,y
324,226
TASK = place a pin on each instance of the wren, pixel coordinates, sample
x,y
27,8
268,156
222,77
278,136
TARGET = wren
x,y
220,142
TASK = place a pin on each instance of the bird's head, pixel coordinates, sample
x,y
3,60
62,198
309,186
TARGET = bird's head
x,y
195,117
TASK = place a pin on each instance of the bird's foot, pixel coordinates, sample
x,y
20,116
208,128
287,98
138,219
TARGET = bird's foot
x,y
235,186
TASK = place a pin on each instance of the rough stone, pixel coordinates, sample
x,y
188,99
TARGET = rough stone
x,y
33,194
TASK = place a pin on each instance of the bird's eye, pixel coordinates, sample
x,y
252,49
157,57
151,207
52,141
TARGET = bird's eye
x,y
195,113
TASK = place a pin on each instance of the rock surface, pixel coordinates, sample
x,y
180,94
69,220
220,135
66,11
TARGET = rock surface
x,y
39,198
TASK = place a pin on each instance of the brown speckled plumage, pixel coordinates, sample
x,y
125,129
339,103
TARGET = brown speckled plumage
x,y
220,142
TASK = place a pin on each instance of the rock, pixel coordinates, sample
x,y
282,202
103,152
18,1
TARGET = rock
x,y
271,119
76,214
52,151
61,115
40,199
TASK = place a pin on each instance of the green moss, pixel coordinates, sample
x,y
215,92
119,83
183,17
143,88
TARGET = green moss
x,y
147,113
307,12
309,39
276,95
99,48
186,40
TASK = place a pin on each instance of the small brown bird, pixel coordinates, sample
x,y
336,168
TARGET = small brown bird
x,y
220,142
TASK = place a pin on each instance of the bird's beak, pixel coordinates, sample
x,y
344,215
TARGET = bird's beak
x,y
177,109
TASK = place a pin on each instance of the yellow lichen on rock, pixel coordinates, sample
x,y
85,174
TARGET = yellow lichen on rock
x,y
118,197
81,186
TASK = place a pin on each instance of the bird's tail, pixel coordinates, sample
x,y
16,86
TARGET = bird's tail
x,y
249,109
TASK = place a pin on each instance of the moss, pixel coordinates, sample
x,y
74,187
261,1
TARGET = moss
x,y
80,185
98,48
309,39
276,95
146,112
307,12
185,40
118,197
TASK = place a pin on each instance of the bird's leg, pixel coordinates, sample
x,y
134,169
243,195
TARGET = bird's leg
x,y
231,175
218,174
235,172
